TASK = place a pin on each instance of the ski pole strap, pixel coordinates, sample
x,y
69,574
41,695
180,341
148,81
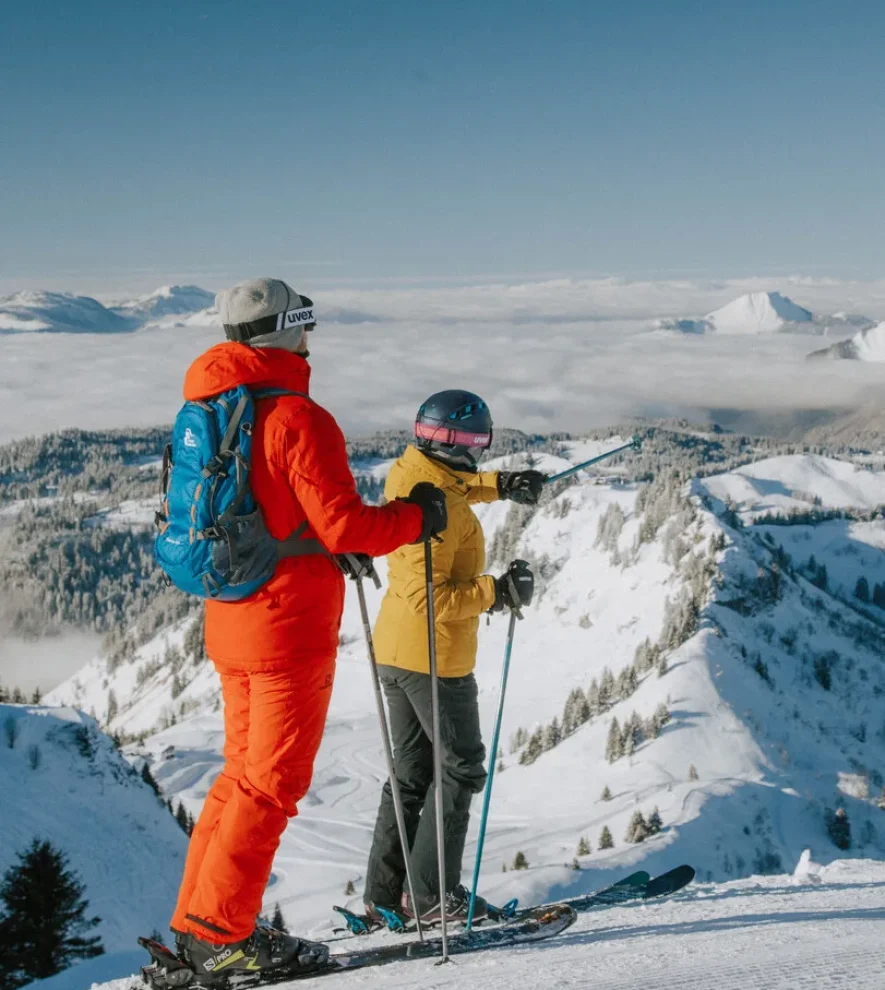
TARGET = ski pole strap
x,y
514,597
361,567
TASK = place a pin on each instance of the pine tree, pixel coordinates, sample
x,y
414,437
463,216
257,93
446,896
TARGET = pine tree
x,y
606,793
37,696
181,817
575,864
534,748
44,925
520,862
839,829
862,589
350,889
552,736
149,779
278,921
654,822
614,748
637,830
605,838
692,772
583,847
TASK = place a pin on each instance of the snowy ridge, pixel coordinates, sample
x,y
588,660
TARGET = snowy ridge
x,y
784,484
62,312
168,300
59,312
63,780
865,345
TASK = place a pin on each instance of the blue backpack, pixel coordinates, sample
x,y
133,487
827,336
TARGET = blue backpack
x,y
212,538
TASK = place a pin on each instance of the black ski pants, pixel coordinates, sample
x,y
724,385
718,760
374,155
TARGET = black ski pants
x,y
463,775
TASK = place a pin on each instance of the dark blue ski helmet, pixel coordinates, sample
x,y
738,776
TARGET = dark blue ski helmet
x,y
454,426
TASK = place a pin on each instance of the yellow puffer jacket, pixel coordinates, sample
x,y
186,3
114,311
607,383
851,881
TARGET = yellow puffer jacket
x,y
461,591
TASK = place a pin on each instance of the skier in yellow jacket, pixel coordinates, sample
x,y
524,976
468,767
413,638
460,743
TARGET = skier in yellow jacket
x,y
452,430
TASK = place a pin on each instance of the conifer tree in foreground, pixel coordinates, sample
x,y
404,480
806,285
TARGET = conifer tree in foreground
x,y
605,838
44,926
278,921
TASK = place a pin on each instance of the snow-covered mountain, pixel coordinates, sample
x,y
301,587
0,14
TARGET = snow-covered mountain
x,y
865,345
62,779
60,312
167,301
737,654
754,313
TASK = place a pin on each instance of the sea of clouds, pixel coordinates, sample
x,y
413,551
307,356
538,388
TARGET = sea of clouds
x,y
555,354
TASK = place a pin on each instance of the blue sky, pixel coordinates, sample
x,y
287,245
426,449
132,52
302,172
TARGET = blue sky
x,y
335,141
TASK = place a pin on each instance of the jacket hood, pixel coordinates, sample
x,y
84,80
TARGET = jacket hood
x,y
227,365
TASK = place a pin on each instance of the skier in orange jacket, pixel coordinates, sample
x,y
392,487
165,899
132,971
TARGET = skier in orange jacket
x,y
275,651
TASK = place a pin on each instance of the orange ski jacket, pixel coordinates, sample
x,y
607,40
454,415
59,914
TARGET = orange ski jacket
x,y
299,472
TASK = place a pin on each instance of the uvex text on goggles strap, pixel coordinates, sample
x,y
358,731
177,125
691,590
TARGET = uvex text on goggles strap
x,y
302,317
447,435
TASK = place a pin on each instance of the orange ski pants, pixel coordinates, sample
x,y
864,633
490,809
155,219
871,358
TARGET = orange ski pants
x,y
273,725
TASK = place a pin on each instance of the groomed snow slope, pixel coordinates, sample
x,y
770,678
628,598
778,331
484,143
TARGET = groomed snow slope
x,y
763,933
62,780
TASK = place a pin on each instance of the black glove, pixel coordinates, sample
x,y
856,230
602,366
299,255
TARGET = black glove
x,y
357,566
515,587
432,503
521,486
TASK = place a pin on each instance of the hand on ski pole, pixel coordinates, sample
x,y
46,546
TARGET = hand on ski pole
x,y
357,566
524,487
514,588
432,502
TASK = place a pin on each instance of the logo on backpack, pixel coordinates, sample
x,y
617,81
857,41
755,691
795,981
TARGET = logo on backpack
x,y
212,539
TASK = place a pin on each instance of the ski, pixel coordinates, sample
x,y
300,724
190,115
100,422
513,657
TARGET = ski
x,y
637,886
168,972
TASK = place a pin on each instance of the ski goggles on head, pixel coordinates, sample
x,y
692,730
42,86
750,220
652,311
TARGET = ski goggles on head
x,y
453,437
304,316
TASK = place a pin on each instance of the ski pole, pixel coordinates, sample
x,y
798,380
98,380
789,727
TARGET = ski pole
x,y
487,797
437,748
634,444
369,571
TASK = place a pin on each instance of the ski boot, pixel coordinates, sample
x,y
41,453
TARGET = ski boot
x,y
265,956
457,907
166,970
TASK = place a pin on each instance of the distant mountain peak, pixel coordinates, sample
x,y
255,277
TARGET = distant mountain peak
x,y
757,312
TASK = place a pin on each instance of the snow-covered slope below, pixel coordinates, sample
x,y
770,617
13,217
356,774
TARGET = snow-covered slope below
x,y
768,682
168,300
865,345
63,780
763,933
798,482
59,312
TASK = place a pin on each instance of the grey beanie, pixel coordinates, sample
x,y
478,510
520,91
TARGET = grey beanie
x,y
265,312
